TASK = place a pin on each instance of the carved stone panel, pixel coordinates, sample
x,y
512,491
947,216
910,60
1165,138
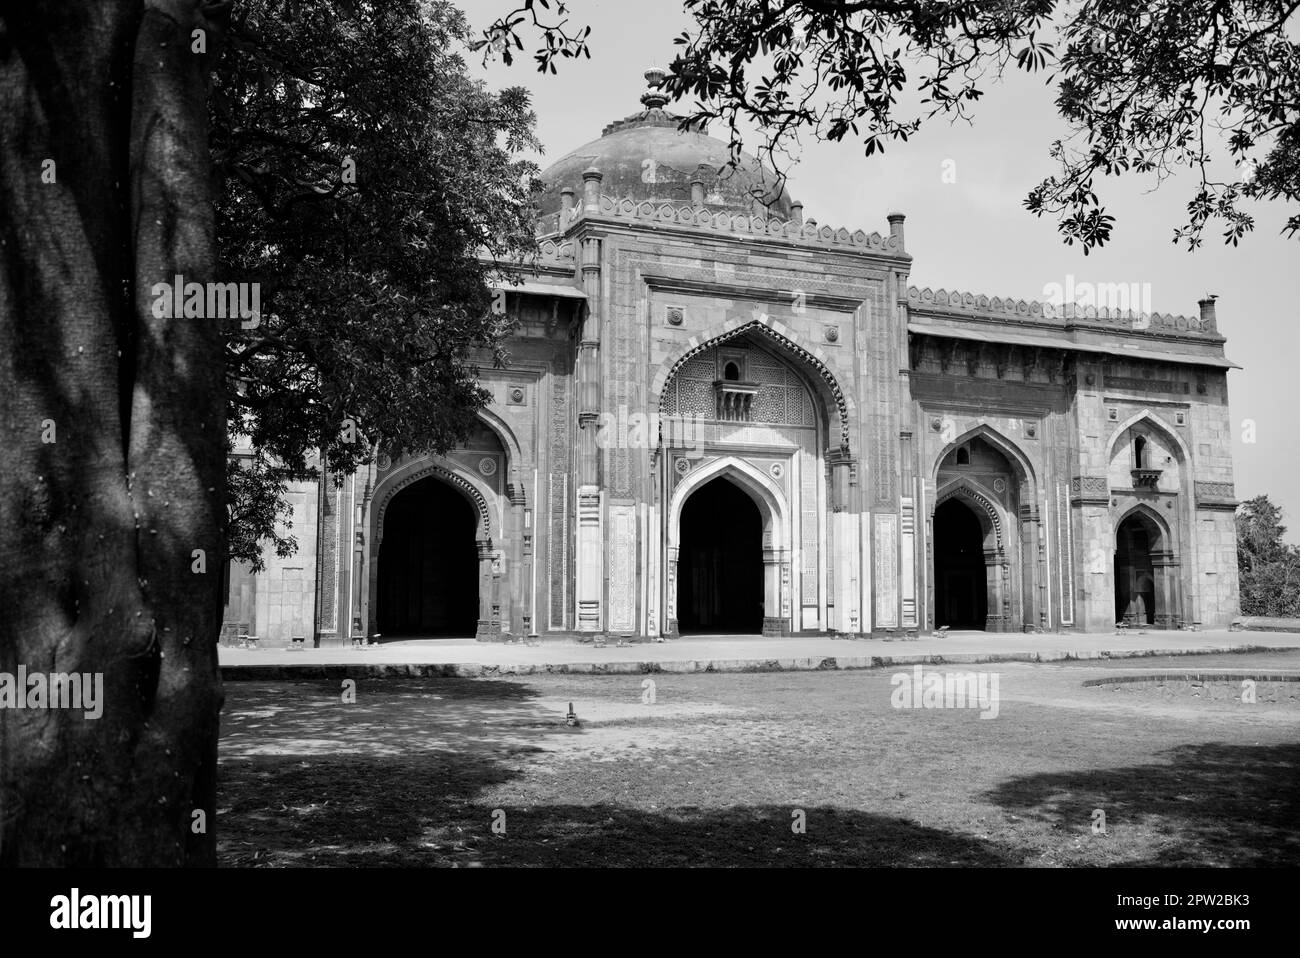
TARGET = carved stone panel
x,y
886,568
622,568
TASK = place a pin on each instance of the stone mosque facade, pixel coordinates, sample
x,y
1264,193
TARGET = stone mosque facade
x,y
722,416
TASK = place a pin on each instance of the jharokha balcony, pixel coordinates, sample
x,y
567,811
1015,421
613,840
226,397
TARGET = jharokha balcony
x,y
734,399
1145,478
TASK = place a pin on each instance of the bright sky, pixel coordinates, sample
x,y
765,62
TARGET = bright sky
x,y
974,234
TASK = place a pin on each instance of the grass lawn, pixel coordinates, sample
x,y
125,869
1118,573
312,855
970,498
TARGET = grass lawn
x,y
713,771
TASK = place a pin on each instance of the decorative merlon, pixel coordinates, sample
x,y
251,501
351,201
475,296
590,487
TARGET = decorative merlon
x,y
563,251
1034,311
732,223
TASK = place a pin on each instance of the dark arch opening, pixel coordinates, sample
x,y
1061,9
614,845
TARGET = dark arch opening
x,y
428,563
960,575
1135,588
731,372
720,561
1139,453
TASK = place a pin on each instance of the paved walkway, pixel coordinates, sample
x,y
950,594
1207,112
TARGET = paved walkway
x,y
729,653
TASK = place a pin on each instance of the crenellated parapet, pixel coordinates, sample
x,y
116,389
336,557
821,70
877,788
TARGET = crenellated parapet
x,y
1031,312
735,224
556,252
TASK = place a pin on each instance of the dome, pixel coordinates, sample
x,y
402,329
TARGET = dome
x,y
647,157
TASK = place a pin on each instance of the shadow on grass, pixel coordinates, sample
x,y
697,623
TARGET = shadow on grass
x,y
382,717
401,776
424,811
1225,804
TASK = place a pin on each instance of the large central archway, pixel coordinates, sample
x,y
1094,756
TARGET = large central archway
x,y
428,569
984,483
773,525
1140,560
720,561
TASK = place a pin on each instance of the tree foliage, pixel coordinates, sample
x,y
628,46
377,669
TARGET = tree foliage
x,y
1153,87
1146,87
362,174
1268,567
558,37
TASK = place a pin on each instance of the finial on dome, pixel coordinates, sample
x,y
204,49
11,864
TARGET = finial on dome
x,y
652,98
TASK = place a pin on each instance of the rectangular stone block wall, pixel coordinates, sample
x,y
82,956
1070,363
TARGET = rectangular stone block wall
x,y
285,606
1217,569
1211,443
239,610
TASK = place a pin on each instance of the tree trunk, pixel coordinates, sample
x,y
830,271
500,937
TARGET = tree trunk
x,y
112,433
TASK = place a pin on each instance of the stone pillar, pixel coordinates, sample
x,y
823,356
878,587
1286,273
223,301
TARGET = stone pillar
x,y
1010,614
1044,570
997,617
907,561
930,490
501,621
513,597
697,193
1164,569
1094,558
360,584
841,468
850,615
590,564
796,213
776,593
568,209
671,631
363,604
842,529
527,625
489,602
1030,561
590,547
1181,609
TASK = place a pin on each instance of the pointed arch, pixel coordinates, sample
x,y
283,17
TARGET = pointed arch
x,y
767,495
1146,583
1147,418
488,520
774,512
984,504
1150,518
514,485
1000,549
1011,452
787,341
412,472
